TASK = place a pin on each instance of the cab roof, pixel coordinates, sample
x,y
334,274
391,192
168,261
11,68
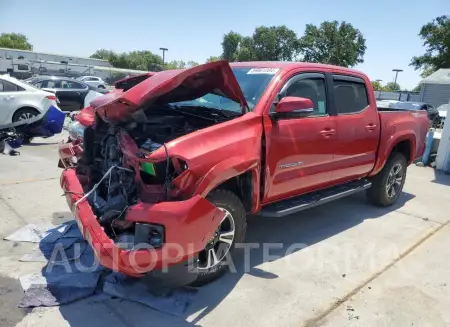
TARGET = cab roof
x,y
288,65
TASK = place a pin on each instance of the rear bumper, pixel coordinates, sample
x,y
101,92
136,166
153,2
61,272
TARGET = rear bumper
x,y
188,227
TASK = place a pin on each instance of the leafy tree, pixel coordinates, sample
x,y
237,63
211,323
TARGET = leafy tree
x,y
213,58
377,86
180,64
15,41
333,43
417,88
266,43
436,36
391,87
230,45
103,54
275,43
139,60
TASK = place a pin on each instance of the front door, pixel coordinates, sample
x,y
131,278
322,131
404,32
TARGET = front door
x,y
299,150
71,95
9,101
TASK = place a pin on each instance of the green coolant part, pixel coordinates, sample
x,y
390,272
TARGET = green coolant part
x,y
148,168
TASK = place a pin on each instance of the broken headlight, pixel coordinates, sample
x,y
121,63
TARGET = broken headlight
x,y
76,131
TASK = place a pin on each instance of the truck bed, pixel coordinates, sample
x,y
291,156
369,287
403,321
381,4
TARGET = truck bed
x,y
401,126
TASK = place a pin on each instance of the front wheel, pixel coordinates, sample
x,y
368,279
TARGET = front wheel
x,y
388,184
212,261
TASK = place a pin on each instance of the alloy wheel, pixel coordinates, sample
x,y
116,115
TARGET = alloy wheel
x,y
394,180
26,115
220,243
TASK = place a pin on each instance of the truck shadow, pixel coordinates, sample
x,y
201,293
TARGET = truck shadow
x,y
287,236
291,234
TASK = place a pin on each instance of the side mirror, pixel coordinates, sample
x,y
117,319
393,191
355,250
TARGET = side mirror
x,y
301,106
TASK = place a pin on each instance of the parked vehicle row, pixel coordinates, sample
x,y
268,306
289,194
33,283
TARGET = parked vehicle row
x,y
184,155
93,81
28,111
20,101
73,95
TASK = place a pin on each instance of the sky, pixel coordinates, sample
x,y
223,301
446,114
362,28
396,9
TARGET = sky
x,y
193,30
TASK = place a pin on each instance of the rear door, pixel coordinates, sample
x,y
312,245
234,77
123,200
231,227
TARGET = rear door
x,y
71,95
9,100
358,129
299,150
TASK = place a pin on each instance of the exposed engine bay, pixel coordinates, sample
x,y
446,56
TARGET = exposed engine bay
x,y
112,185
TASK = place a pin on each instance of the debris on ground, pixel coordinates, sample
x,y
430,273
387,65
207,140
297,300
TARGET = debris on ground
x,y
350,313
46,233
9,141
72,273
54,289
132,289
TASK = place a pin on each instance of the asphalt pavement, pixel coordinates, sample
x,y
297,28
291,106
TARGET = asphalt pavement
x,y
346,263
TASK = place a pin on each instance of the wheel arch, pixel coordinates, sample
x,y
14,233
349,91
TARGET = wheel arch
x,y
27,106
404,143
237,174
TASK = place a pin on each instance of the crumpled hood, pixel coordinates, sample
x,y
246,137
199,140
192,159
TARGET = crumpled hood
x,y
171,86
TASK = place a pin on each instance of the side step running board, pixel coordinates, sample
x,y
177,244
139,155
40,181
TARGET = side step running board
x,y
302,202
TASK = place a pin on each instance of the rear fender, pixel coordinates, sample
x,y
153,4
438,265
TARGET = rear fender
x,y
386,149
227,169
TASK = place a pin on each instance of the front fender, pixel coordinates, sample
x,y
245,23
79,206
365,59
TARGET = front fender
x,y
227,169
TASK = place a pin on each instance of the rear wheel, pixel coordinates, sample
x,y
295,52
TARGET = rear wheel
x,y
101,86
24,114
388,184
212,261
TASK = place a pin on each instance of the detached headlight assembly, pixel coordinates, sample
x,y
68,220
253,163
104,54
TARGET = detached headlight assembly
x,y
76,131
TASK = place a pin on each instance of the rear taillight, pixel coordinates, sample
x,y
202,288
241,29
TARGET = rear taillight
x,y
51,97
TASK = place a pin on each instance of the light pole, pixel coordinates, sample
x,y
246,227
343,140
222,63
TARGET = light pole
x,y
164,52
396,74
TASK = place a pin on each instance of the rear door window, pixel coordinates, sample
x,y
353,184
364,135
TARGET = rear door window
x,y
10,87
350,94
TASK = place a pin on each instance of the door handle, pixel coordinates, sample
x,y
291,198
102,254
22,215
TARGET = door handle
x,y
77,93
327,132
371,127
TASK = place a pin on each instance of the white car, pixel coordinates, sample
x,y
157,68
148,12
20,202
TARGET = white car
x,y
93,81
20,101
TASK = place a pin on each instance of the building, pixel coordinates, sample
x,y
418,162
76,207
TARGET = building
x,y
14,54
435,89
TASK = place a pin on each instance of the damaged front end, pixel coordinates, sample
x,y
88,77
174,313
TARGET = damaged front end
x,y
134,201
128,205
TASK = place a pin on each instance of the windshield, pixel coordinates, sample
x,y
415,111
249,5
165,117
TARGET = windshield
x,y
253,81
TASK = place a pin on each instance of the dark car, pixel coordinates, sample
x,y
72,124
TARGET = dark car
x,y
73,95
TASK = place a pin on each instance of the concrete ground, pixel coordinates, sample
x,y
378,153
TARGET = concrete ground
x,y
343,264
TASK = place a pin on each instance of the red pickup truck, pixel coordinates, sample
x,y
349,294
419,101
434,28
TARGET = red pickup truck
x,y
172,166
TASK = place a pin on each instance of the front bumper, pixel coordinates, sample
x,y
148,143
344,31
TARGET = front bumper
x,y
188,226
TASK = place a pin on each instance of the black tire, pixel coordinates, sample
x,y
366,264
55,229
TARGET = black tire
x,y
22,113
227,200
380,194
101,86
